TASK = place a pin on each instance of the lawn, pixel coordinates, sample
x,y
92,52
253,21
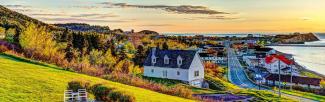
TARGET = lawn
x,y
33,82
305,95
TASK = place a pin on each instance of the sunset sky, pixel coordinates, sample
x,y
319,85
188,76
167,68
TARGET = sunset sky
x,y
180,16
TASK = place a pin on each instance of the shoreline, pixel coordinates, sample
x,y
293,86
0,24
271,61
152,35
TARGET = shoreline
x,y
303,68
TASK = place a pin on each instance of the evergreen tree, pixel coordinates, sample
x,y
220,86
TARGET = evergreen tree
x,y
64,36
165,46
69,53
122,53
140,56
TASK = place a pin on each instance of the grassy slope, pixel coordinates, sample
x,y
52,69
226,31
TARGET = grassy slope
x,y
27,82
305,95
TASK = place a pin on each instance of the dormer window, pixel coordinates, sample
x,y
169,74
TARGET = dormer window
x,y
179,61
153,57
153,60
166,60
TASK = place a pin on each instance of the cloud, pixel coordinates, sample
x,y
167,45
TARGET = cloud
x,y
84,20
182,9
305,18
22,10
157,25
95,15
16,6
85,7
212,17
47,14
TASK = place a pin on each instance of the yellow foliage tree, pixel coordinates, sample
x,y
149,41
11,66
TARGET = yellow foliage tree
x,y
38,40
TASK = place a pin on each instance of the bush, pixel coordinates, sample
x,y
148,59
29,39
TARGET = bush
x,y
101,92
3,48
176,90
77,84
118,96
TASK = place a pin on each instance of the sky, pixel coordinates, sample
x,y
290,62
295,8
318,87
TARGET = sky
x,y
182,16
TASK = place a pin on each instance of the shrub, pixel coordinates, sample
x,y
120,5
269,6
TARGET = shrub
x,y
176,90
119,96
101,92
77,84
3,48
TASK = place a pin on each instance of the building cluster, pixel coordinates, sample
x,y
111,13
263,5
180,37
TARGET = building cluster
x,y
269,63
213,53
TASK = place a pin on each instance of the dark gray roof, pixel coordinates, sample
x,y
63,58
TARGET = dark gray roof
x,y
186,55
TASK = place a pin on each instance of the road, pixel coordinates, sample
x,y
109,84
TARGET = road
x,y
238,76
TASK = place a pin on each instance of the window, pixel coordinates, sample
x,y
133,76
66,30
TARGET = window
x,y
165,73
178,73
166,60
179,61
153,59
196,73
152,71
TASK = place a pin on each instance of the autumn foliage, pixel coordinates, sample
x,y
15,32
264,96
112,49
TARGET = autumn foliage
x,y
213,69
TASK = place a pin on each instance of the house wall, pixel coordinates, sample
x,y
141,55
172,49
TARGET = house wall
x,y
196,66
273,67
171,73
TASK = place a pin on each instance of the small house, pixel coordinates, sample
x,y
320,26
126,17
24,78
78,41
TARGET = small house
x,y
183,65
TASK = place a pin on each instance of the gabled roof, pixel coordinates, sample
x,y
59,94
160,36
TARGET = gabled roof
x,y
263,49
220,54
186,55
205,55
272,58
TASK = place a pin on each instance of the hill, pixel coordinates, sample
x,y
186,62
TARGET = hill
x,y
25,81
296,38
83,27
12,19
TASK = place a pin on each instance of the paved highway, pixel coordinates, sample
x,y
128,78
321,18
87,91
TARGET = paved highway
x,y
237,74
238,77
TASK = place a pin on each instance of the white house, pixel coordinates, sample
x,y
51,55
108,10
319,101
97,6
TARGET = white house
x,y
218,58
273,62
184,65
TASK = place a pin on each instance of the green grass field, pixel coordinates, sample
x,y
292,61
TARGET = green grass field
x,y
305,95
23,81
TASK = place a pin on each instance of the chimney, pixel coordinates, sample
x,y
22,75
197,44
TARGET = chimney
x,y
153,51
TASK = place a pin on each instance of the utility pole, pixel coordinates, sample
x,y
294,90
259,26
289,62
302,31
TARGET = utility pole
x,y
279,79
258,66
292,64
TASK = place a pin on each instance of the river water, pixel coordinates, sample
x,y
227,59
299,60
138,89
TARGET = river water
x,y
313,58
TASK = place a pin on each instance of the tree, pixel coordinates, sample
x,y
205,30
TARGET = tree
x,y
140,56
129,47
10,34
2,32
38,40
69,53
165,46
122,53
64,36
95,57
322,83
108,61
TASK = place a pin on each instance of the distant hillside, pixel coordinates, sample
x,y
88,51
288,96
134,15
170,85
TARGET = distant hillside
x,y
148,32
85,27
296,38
25,81
13,19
